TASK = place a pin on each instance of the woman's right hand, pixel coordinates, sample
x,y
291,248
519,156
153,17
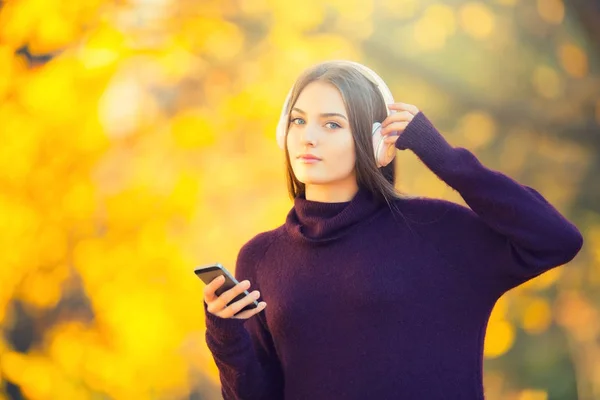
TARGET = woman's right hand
x,y
217,305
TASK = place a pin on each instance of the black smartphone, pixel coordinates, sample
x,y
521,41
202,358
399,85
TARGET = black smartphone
x,y
209,272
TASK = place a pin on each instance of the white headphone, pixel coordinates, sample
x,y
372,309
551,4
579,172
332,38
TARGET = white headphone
x,y
384,153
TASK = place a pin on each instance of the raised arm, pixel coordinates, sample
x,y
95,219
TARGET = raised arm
x,y
510,233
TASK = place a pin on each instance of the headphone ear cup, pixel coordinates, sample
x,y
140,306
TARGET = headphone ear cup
x,y
377,141
384,152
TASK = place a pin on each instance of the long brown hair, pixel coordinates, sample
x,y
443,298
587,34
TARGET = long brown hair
x,y
364,105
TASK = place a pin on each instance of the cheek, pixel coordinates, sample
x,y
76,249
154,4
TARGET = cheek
x,y
292,141
347,165
343,151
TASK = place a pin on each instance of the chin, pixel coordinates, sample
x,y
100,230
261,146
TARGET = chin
x,y
310,179
314,180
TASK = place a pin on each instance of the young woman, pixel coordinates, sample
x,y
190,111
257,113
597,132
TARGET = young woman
x,y
373,294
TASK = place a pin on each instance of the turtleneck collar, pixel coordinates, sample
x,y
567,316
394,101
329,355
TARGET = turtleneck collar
x,y
317,221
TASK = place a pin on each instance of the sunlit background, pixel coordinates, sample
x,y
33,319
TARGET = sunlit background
x,y
137,142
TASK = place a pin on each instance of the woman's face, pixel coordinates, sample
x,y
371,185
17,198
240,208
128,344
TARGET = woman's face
x,y
320,127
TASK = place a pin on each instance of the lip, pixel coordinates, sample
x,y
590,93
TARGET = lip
x,y
308,157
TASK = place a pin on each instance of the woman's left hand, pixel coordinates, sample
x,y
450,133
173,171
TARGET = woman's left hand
x,y
397,121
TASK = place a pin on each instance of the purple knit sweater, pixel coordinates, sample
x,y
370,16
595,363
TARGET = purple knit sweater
x,y
368,303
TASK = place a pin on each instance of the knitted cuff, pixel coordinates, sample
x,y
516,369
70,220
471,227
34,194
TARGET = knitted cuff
x,y
425,141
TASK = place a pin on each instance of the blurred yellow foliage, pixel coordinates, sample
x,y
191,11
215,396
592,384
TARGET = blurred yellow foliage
x,y
478,129
435,26
8,69
507,2
500,332
400,9
552,11
547,82
532,394
193,129
477,19
130,156
500,310
573,60
254,8
537,316
220,40
499,338
576,313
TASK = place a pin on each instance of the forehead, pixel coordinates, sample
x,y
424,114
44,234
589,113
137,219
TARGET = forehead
x,y
319,96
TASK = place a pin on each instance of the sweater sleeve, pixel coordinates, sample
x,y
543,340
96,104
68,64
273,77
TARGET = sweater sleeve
x,y
243,350
510,234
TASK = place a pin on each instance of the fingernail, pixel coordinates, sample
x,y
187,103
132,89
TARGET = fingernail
x,y
256,295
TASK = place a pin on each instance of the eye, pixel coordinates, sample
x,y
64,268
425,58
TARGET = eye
x,y
293,121
335,125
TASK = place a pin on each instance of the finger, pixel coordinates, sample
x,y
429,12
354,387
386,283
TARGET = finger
x,y
394,128
240,304
211,288
233,308
226,297
248,313
404,107
397,117
401,115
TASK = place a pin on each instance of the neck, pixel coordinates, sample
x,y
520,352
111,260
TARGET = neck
x,y
329,194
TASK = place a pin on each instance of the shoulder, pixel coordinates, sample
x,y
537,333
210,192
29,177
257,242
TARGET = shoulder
x,y
257,246
446,220
252,252
426,210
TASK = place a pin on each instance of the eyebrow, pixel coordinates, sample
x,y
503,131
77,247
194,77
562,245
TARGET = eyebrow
x,y
323,114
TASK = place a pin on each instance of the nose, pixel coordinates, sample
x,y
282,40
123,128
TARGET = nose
x,y
309,134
